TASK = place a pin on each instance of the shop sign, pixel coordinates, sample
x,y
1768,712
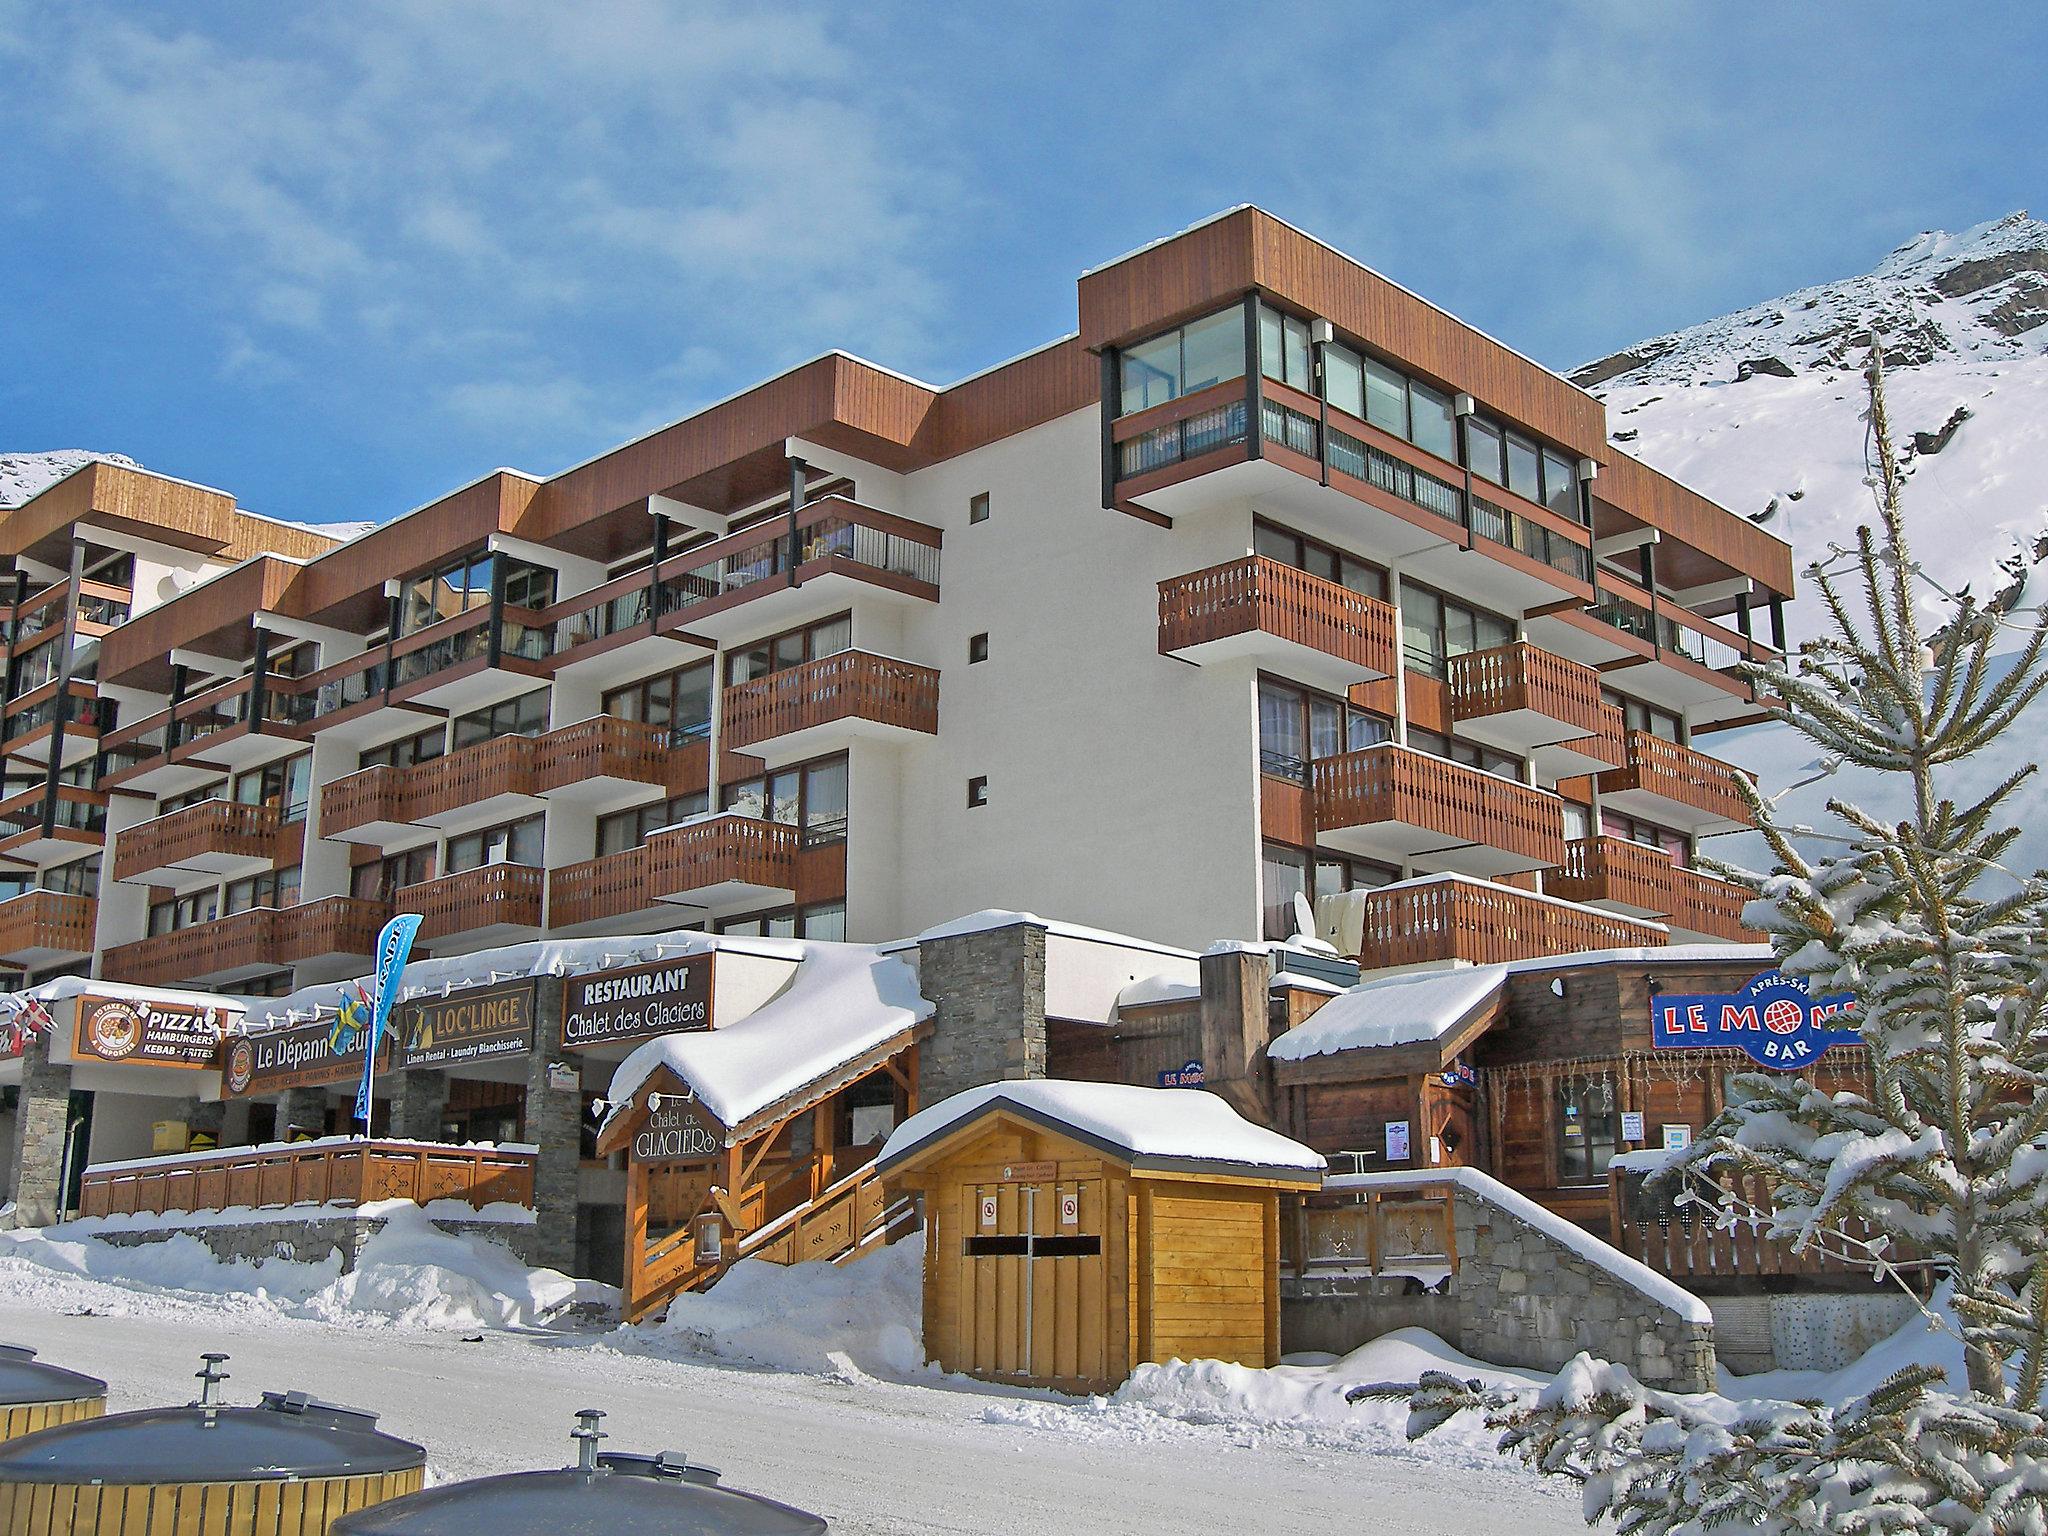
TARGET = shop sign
x,y
664,998
1189,1076
1773,1020
1027,1173
303,1056
486,1024
149,1032
675,1133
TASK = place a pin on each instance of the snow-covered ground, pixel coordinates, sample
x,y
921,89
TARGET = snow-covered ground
x,y
802,1384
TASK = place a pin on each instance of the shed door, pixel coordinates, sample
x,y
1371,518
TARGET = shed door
x,y
1032,1293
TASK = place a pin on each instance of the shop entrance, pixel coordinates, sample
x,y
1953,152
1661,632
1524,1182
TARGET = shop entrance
x,y
1032,1280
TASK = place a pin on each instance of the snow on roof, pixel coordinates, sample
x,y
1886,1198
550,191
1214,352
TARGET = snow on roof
x,y
1395,1010
1184,1127
72,986
992,918
843,1001
1156,989
1643,1160
1301,983
1660,954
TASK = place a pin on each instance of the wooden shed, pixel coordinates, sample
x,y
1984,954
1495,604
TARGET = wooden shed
x,y
1075,1230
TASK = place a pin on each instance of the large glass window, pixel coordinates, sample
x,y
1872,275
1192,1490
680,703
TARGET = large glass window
x,y
1197,355
1386,398
517,842
1434,629
1318,559
285,785
1283,347
1638,716
1283,875
406,751
526,715
274,888
1344,380
1525,468
1482,439
811,796
679,702
464,583
1561,487
1588,1130
1433,428
379,879
1296,727
827,637
625,830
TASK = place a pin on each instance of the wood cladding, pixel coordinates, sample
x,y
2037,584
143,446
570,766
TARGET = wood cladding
x,y
213,619
166,511
1208,266
1689,518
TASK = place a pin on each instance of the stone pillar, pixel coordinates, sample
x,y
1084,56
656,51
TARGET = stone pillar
x,y
1237,986
554,1122
988,988
417,1098
41,1116
302,1109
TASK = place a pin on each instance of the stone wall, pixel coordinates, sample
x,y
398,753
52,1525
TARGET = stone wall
x,y
554,1124
1334,1314
303,1240
41,1112
988,992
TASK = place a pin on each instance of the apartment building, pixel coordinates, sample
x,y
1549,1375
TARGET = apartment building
x,y
1273,579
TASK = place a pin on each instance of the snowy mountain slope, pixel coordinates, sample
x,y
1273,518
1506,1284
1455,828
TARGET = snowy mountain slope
x,y
1763,411
23,475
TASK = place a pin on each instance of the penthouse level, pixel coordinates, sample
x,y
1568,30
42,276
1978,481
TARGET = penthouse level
x,y
1271,580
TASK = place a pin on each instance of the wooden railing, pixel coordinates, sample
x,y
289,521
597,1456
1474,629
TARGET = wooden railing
x,y
1449,917
1666,769
495,894
210,827
600,748
1258,595
1687,1242
501,766
238,941
722,849
849,685
46,922
371,794
328,1172
1399,784
1613,869
1710,905
611,885
1373,1232
1522,676
333,925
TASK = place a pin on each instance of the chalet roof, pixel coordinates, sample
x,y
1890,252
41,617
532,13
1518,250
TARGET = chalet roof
x,y
1395,1010
1184,1129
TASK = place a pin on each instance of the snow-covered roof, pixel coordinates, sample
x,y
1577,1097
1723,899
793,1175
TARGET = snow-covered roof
x,y
1395,1010
843,1001
62,987
992,918
1659,954
1157,989
1183,1128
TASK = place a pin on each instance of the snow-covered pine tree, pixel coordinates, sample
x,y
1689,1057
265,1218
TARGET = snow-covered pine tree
x,y
1943,951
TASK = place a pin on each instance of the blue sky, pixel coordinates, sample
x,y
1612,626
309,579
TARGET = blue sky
x,y
340,259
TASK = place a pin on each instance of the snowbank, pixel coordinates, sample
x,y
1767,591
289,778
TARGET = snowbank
x,y
411,1274
1916,1343
863,1317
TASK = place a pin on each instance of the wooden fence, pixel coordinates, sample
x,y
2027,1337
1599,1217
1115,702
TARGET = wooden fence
x,y
331,1171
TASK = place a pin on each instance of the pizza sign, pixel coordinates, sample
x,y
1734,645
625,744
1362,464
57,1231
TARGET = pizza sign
x,y
1773,1020
149,1032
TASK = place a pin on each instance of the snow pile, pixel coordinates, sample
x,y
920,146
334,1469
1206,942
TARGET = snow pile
x,y
24,476
864,1317
1396,1010
411,1274
1917,1342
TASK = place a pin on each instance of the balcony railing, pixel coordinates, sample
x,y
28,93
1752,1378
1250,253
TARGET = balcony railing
x,y
1709,905
851,685
723,850
217,830
368,795
1450,917
1255,595
331,926
1667,781
493,896
470,776
81,814
1396,784
600,748
1202,424
241,941
1520,678
522,636
331,1171
613,885
46,923
1615,871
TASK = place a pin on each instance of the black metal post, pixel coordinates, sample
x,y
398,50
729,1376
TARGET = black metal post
x,y
1112,407
798,473
654,572
494,639
1254,383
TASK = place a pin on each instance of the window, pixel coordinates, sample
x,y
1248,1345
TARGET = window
x,y
217,790
526,715
273,888
81,878
977,649
406,751
678,701
977,508
517,842
1344,380
1525,468
1432,427
1561,487
827,637
1283,875
1336,872
1639,716
624,830
1434,629
1296,727
1283,347
826,920
1482,443
977,791
1197,355
183,912
1635,830
285,785
1386,398
380,879
1471,754
463,584
810,795
1588,1130
1318,559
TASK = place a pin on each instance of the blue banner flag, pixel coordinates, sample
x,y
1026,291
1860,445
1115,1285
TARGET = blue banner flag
x,y
394,945
1773,1020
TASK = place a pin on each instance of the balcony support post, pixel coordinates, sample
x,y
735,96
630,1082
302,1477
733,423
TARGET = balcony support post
x,y
61,715
1254,382
1742,615
1112,407
799,474
654,573
259,677
494,633
1777,623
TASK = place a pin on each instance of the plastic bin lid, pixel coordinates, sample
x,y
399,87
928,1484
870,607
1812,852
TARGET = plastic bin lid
x,y
23,1379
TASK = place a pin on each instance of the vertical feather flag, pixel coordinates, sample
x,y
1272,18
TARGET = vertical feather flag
x,y
394,944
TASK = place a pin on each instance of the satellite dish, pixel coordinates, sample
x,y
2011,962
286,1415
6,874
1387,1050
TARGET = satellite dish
x,y
1304,917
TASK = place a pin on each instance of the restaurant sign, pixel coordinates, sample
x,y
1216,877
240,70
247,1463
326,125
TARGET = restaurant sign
x,y
485,1024
149,1032
664,998
1773,1020
303,1056
675,1133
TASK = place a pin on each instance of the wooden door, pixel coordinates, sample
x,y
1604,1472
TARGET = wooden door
x,y
1032,1302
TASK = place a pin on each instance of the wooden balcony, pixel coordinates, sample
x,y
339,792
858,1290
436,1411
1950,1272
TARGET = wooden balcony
x,y
77,821
1518,697
1709,908
1641,881
43,927
495,904
724,861
214,837
598,760
332,928
1674,786
1393,802
234,947
598,890
369,806
1262,611
825,704
1448,917
489,782
331,1171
